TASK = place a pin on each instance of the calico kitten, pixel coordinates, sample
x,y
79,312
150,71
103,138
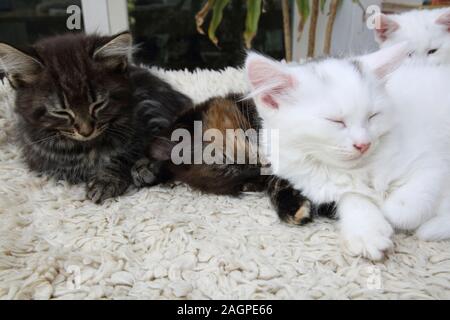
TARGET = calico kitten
x,y
428,32
86,113
354,132
221,114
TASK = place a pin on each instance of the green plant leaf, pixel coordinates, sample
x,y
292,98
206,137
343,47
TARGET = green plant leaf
x,y
218,7
252,20
304,11
322,5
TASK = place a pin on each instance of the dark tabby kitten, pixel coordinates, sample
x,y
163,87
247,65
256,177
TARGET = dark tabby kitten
x,y
230,179
86,113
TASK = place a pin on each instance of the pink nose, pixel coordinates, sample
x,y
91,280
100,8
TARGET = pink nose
x,y
362,147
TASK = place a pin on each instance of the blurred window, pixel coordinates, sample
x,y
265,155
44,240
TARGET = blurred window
x,y
25,21
166,33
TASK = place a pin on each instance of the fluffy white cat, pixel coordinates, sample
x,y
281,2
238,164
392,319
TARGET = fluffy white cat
x,y
375,144
428,32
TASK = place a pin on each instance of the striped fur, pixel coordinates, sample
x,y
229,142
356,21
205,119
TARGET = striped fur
x,y
61,103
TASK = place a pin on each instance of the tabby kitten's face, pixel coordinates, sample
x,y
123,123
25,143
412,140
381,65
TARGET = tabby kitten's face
x,y
83,122
72,85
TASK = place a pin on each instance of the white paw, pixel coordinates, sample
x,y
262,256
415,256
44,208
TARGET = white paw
x,y
369,238
400,215
426,233
436,229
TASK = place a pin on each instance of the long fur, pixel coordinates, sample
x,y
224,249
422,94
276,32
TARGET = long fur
x,y
401,181
423,29
56,106
222,114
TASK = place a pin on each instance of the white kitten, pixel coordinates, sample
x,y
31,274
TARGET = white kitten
x,y
376,147
428,32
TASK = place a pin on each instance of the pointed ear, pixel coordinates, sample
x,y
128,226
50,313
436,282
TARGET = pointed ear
x,y
270,81
19,67
444,20
385,26
385,61
116,53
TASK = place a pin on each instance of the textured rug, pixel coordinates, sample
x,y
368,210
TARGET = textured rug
x,y
168,242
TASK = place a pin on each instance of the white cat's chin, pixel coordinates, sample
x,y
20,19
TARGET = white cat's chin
x,y
350,163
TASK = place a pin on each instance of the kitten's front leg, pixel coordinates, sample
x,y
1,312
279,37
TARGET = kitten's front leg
x,y
144,173
408,206
292,207
105,186
364,229
110,181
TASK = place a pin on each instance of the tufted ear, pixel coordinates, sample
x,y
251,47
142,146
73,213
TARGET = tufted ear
x,y
444,20
116,53
385,26
20,67
270,81
385,61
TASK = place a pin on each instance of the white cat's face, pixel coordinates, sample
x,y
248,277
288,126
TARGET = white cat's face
x,y
332,111
336,116
428,32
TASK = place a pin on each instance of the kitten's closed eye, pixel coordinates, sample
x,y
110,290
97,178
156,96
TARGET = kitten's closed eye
x,y
374,115
432,51
337,121
97,106
62,114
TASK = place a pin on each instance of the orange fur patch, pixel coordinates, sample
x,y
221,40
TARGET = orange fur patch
x,y
223,114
